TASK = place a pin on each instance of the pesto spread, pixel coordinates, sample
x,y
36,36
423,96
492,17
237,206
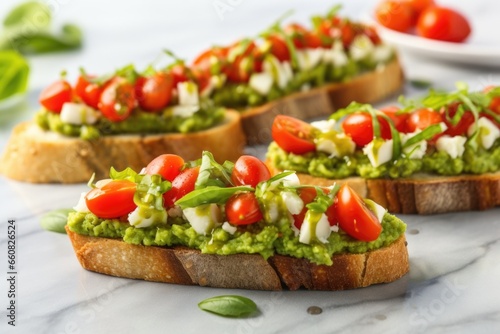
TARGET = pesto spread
x,y
221,217
139,122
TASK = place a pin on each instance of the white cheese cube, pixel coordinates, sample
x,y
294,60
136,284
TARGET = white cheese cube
x,y
261,82
315,227
308,58
146,217
229,228
382,53
453,146
204,218
81,206
488,132
78,113
415,151
337,145
188,93
361,47
379,151
293,202
324,125
281,72
336,55
376,208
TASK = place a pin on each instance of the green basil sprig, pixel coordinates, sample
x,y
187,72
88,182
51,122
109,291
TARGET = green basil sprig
x,y
212,173
26,28
323,201
210,194
229,306
56,220
15,71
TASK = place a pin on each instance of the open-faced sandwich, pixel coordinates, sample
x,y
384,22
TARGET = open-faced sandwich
x,y
438,154
298,71
234,226
123,119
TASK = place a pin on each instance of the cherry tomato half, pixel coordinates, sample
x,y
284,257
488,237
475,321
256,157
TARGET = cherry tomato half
x,y
354,217
89,92
154,92
113,200
249,170
117,100
56,95
443,24
462,126
279,49
181,185
293,135
395,15
167,165
422,118
359,127
243,209
399,120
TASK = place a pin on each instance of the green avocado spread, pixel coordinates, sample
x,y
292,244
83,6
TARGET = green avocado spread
x,y
139,122
260,238
320,164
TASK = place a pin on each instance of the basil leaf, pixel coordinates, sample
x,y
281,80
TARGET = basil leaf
x,y
426,134
210,194
28,15
43,42
229,305
212,173
15,71
126,174
55,220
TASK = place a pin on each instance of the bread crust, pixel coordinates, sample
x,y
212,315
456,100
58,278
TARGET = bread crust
x,y
37,156
423,194
368,87
181,265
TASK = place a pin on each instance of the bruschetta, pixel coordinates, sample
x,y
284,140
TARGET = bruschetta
x,y
232,225
437,154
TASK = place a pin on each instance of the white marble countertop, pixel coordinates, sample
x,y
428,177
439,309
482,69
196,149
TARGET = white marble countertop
x,y
452,286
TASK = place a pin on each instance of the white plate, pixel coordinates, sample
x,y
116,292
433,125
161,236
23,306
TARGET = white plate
x,y
482,48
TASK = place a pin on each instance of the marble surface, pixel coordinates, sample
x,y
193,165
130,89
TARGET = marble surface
x,y
452,286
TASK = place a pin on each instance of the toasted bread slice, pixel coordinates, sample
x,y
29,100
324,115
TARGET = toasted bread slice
x,y
368,87
422,193
37,156
181,265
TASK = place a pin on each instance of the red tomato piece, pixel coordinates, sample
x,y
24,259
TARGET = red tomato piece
x,y
422,118
354,217
113,200
359,127
56,95
443,24
249,170
154,93
293,135
179,73
89,92
243,209
181,185
117,100
395,15
279,48
399,120
462,126
167,165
